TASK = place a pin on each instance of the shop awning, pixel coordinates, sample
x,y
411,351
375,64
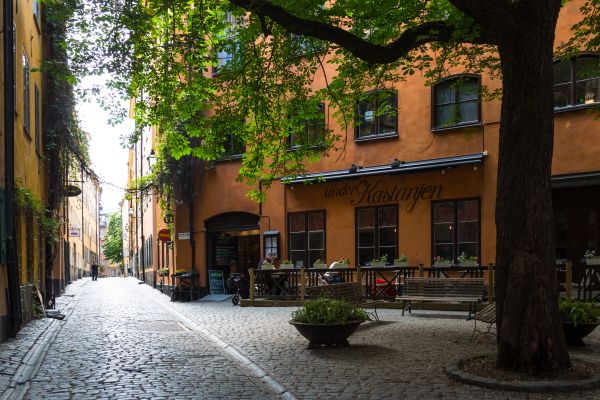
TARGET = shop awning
x,y
396,167
575,180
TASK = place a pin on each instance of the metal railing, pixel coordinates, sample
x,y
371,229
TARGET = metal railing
x,y
579,281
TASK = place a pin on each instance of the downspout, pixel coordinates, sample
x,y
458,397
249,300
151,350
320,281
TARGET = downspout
x,y
142,250
14,291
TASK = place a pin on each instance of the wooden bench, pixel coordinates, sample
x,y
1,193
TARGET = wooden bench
x,y
352,292
442,290
487,315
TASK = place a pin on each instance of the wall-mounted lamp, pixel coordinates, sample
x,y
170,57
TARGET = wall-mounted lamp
x,y
152,159
396,163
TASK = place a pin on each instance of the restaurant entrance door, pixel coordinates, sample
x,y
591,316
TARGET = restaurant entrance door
x,y
576,222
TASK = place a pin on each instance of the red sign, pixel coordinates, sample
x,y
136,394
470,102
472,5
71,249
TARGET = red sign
x,y
164,235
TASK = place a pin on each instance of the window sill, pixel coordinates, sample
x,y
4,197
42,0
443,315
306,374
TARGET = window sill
x,y
376,137
235,157
320,146
559,110
457,127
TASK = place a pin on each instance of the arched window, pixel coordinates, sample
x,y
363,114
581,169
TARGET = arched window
x,y
456,102
577,81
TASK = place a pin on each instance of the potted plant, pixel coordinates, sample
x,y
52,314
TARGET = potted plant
x,y
163,272
591,258
467,261
327,322
320,264
579,319
379,262
401,261
341,264
286,264
441,262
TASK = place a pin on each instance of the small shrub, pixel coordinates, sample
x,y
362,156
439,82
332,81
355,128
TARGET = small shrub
x,y
327,311
578,312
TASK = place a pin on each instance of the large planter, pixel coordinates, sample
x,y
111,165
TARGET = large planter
x,y
442,264
400,264
575,333
320,266
326,334
469,264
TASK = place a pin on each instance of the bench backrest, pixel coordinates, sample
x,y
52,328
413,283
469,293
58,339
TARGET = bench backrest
x,y
352,292
444,287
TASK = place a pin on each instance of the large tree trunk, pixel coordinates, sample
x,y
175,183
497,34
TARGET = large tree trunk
x,y
530,336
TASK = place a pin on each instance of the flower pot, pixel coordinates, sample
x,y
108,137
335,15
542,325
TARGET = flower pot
x,y
320,266
400,264
377,264
267,266
286,266
575,333
338,265
593,261
326,334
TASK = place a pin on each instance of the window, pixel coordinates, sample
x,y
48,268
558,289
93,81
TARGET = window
x,y
26,99
36,11
227,47
577,82
455,229
271,243
377,115
233,146
456,102
308,131
37,121
15,65
306,237
376,233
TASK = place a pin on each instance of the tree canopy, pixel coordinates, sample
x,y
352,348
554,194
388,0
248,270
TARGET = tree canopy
x,y
113,242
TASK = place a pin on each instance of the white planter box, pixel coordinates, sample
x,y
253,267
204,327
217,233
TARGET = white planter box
x,y
267,266
442,264
320,266
400,264
377,264
338,265
593,261
469,264
287,266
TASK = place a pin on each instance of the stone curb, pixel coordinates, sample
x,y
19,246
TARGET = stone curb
x,y
247,365
454,371
31,362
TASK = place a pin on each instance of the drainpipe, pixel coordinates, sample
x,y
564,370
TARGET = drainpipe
x,y
14,291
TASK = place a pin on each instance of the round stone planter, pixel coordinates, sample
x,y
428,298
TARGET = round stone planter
x,y
326,334
575,334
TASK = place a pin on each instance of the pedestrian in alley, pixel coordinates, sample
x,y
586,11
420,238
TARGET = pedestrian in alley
x,y
94,272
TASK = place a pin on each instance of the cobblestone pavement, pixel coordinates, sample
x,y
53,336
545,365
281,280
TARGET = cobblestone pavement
x,y
119,344
125,340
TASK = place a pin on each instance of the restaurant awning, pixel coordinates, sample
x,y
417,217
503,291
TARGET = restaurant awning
x,y
396,167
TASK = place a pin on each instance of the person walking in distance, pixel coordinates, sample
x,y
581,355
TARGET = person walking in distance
x,y
94,272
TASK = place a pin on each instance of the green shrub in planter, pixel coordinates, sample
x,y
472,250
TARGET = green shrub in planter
x,y
579,312
327,311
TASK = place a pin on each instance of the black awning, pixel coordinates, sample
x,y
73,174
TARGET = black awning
x,y
396,167
576,180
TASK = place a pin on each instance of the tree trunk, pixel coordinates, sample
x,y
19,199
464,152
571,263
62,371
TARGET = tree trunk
x,y
530,337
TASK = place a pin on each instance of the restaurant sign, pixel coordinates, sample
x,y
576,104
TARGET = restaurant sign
x,y
378,192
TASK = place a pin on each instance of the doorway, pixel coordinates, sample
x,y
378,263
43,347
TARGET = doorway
x,y
576,222
233,251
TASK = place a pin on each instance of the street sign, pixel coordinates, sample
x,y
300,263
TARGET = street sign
x,y
183,236
74,232
72,191
164,235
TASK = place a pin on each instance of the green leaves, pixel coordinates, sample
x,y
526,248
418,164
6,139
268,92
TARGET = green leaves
x,y
113,242
327,311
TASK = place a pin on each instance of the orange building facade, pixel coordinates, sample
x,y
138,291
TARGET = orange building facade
x,y
419,181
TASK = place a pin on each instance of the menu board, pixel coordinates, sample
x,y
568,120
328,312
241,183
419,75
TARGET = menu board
x,y
215,280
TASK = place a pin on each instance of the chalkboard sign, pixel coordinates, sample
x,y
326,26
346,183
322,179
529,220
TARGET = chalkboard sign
x,y
215,280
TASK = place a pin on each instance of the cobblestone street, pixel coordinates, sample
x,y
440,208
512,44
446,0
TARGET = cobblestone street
x,y
124,340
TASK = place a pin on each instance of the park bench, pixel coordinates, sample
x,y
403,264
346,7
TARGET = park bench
x,y
442,290
487,315
352,292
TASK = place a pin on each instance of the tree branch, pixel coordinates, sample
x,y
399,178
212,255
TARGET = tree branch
x,y
427,32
